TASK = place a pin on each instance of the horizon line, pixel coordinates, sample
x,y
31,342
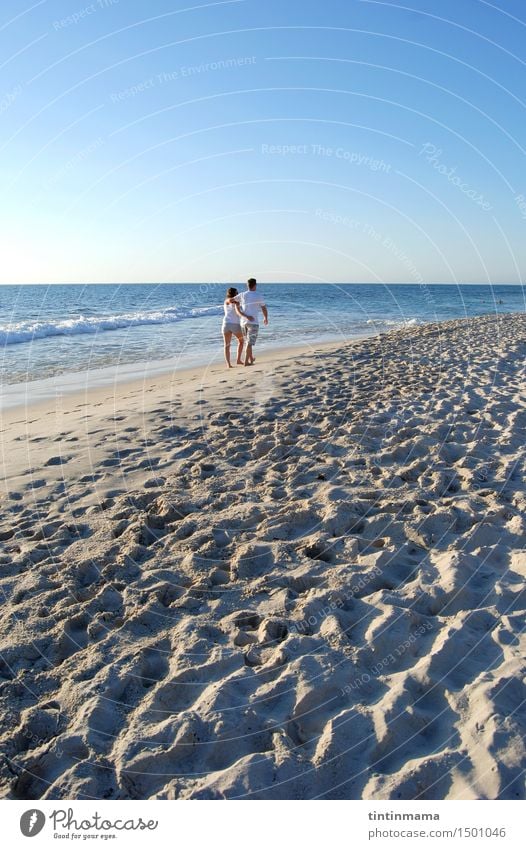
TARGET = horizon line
x,y
270,283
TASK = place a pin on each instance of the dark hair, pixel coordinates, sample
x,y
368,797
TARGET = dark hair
x,y
251,282
231,293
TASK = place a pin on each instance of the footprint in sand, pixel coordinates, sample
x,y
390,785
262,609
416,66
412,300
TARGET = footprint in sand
x,y
38,483
58,461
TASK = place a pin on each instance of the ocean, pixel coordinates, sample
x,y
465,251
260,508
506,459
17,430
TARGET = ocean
x,y
55,335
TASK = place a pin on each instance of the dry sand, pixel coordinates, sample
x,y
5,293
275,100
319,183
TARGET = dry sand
x,y
300,580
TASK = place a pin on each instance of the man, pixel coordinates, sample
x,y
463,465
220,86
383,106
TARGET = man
x,y
251,302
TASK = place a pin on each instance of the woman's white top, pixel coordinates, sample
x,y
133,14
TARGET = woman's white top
x,y
231,315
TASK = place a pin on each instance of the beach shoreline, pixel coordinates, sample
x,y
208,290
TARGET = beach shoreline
x,y
303,579
131,376
65,335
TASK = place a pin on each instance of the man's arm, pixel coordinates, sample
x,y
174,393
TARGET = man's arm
x,y
265,313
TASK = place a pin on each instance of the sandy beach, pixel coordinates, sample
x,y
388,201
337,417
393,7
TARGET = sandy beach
x,y
295,581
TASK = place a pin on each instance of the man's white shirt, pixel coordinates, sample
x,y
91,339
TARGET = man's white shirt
x,y
251,302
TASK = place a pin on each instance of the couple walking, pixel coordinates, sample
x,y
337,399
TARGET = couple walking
x,y
241,320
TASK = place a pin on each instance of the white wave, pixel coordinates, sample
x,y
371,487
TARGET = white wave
x,y
390,322
26,331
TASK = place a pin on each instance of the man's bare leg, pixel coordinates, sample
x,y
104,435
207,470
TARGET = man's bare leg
x,y
249,359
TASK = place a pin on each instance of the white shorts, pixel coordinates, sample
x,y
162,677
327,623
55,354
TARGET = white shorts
x,y
231,327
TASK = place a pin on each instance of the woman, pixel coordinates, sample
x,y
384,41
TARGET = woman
x,y
232,325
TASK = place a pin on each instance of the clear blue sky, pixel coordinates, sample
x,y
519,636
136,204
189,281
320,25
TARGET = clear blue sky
x,y
338,140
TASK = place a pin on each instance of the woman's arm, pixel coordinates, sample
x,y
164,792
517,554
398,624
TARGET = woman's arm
x,y
240,311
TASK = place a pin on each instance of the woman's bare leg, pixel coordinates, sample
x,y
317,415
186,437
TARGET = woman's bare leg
x,y
239,349
227,335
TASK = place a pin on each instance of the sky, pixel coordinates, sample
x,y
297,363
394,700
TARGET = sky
x,y
306,140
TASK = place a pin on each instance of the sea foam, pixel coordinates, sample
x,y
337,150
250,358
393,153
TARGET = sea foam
x,y
27,331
